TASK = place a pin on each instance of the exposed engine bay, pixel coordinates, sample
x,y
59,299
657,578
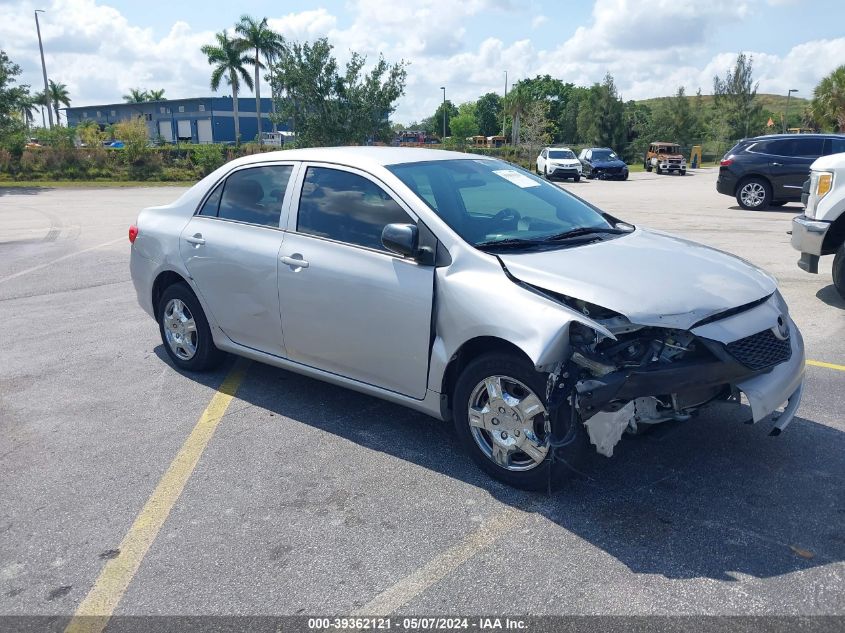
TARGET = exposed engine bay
x,y
646,376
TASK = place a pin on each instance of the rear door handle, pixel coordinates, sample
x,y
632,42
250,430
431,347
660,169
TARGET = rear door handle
x,y
294,262
777,164
196,238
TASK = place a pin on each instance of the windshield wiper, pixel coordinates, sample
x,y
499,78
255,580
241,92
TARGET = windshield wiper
x,y
584,231
510,243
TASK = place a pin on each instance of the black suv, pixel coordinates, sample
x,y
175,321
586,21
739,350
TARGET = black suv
x,y
769,171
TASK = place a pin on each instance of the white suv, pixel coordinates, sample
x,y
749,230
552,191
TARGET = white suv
x,y
821,230
559,162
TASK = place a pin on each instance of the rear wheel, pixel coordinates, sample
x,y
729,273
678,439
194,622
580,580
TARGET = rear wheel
x,y
839,271
754,194
503,423
185,331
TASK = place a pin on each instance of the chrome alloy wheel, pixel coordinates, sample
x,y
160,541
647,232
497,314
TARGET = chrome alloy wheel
x,y
508,422
752,194
180,330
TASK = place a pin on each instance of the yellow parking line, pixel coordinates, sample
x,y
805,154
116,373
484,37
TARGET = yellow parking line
x,y
411,586
818,363
94,611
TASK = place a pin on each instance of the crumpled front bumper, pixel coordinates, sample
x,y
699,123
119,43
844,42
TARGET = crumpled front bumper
x,y
784,383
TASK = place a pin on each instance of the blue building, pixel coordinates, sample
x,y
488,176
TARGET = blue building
x,y
198,120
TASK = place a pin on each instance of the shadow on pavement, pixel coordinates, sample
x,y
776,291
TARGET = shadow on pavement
x,y
831,297
22,191
712,497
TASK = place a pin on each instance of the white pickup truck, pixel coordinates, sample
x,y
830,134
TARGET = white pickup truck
x,y
821,230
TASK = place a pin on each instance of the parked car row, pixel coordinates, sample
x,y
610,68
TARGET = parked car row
x,y
592,162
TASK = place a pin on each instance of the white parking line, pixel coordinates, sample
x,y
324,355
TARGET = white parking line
x,y
58,259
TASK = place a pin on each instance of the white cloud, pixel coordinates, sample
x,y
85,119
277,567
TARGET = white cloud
x,y
538,21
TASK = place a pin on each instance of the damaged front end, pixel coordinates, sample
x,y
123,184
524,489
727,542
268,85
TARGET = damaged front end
x,y
645,375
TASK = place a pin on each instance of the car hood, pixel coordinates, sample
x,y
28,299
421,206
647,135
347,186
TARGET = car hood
x,y
650,277
607,163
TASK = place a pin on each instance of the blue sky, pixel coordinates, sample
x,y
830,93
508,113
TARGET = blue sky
x,y
101,49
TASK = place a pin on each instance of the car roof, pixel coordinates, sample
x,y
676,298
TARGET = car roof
x,y
664,143
359,156
763,137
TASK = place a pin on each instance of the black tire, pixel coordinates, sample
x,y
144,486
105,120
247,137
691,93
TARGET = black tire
x,y
207,356
839,271
551,471
657,170
576,178
647,167
546,173
763,190
683,172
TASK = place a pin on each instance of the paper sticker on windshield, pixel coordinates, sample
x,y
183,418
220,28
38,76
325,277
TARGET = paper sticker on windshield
x,y
520,180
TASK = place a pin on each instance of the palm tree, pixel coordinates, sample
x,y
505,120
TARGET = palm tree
x,y
136,95
516,105
156,95
228,60
828,102
263,40
58,95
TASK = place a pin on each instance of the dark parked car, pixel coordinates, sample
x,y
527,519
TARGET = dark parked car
x,y
769,171
602,162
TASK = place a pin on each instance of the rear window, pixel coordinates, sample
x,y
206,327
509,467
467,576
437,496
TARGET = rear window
x,y
798,146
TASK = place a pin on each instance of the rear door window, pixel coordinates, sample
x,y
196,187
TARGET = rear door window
x,y
809,147
834,146
255,195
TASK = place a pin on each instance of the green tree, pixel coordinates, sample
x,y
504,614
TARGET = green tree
x,y
136,95
133,133
330,108
601,116
735,97
436,123
13,100
258,36
554,92
228,59
156,95
681,118
516,105
535,127
58,95
463,126
488,114
828,104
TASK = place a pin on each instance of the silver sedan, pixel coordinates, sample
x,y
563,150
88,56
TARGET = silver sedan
x,y
469,289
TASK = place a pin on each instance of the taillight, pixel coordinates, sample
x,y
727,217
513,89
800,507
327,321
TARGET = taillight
x,y
726,162
133,233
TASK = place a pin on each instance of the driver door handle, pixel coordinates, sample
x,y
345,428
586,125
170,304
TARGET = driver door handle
x,y
196,238
776,164
293,262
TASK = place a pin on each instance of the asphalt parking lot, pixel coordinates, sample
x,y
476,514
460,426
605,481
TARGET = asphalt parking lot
x,y
309,499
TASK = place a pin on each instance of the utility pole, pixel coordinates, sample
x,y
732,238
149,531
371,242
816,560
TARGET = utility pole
x,y
43,69
443,138
504,114
786,116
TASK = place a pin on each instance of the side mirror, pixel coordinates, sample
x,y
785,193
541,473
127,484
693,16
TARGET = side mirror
x,y
402,239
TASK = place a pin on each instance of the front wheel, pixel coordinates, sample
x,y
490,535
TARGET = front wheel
x,y
185,331
683,172
546,173
502,420
839,271
754,194
576,178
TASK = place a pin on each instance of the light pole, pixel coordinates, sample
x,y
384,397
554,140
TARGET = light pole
x,y
43,68
443,138
786,116
504,115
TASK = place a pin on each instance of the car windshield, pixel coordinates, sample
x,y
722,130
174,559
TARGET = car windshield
x,y
561,153
491,201
604,154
